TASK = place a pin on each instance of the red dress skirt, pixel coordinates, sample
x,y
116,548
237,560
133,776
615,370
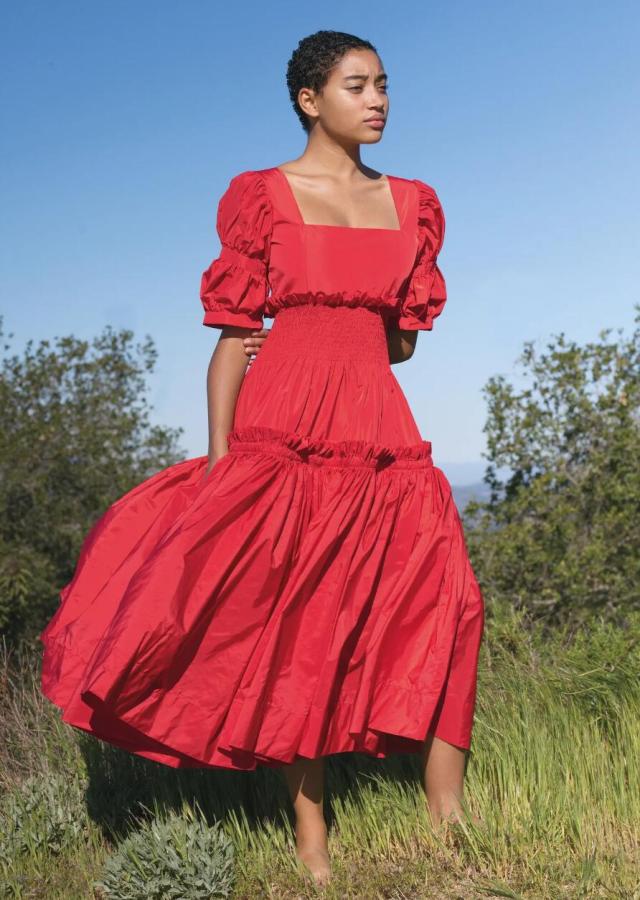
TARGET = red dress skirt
x,y
312,594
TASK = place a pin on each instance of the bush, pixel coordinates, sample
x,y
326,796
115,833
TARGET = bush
x,y
75,435
559,537
177,856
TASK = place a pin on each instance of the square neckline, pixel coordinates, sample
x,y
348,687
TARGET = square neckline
x,y
303,224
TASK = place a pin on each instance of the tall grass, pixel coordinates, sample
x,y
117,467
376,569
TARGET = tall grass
x,y
554,775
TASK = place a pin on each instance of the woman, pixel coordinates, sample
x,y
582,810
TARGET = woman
x,y
305,588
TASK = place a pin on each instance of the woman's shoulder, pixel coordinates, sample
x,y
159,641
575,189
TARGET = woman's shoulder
x,y
250,178
429,206
247,182
429,212
244,210
246,190
423,189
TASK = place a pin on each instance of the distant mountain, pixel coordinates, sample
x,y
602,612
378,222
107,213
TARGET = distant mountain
x,y
462,493
466,480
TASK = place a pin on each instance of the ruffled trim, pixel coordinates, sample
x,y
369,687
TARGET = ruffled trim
x,y
323,452
233,289
287,610
352,299
425,294
231,293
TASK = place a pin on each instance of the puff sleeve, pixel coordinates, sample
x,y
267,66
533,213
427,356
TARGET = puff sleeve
x,y
233,289
424,294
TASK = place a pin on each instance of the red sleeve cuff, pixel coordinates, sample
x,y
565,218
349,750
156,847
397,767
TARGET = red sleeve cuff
x,y
219,318
408,323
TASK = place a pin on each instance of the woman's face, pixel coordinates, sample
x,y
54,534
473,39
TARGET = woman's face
x,y
355,92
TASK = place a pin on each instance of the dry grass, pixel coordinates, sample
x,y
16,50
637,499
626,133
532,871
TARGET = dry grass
x,y
554,775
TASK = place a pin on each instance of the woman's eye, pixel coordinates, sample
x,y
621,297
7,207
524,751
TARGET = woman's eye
x,y
383,88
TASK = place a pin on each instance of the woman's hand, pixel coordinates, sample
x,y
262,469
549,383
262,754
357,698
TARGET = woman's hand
x,y
213,459
401,344
255,340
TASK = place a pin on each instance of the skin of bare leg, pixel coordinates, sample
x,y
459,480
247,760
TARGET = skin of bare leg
x,y
443,779
305,781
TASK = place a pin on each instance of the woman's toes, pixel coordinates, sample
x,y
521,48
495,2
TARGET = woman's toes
x,y
316,860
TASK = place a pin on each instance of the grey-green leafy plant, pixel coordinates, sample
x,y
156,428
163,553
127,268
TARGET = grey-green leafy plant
x,y
171,857
42,817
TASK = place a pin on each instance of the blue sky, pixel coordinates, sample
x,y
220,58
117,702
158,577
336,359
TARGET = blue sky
x,y
123,123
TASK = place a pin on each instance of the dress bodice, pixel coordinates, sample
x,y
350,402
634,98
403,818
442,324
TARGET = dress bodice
x,y
271,259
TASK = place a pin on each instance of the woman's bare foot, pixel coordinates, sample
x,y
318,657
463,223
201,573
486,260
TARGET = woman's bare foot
x,y
443,779
305,780
312,850
456,818
448,809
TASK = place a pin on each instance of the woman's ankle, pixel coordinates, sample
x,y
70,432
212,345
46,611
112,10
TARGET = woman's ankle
x,y
311,825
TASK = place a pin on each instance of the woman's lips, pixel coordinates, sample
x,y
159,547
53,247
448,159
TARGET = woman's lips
x,y
375,123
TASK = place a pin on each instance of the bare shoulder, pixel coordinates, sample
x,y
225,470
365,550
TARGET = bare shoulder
x,y
292,167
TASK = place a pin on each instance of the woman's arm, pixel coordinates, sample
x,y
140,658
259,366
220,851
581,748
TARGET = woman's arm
x,y
226,370
401,343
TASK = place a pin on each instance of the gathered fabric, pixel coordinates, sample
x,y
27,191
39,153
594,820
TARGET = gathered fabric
x,y
312,593
271,259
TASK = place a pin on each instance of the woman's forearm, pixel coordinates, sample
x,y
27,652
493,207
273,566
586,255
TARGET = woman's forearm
x,y
225,373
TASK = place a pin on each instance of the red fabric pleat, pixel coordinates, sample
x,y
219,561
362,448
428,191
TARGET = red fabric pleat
x,y
312,594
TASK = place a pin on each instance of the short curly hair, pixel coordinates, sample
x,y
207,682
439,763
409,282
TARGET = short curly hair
x,y
312,61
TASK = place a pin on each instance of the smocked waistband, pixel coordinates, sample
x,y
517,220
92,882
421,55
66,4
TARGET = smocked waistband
x,y
328,332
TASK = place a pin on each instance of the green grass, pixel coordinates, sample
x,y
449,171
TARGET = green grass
x,y
554,774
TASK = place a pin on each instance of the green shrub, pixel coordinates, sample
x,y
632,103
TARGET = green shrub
x,y
559,536
175,856
75,435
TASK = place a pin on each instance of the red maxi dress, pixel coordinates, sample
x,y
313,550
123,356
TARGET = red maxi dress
x,y
312,594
